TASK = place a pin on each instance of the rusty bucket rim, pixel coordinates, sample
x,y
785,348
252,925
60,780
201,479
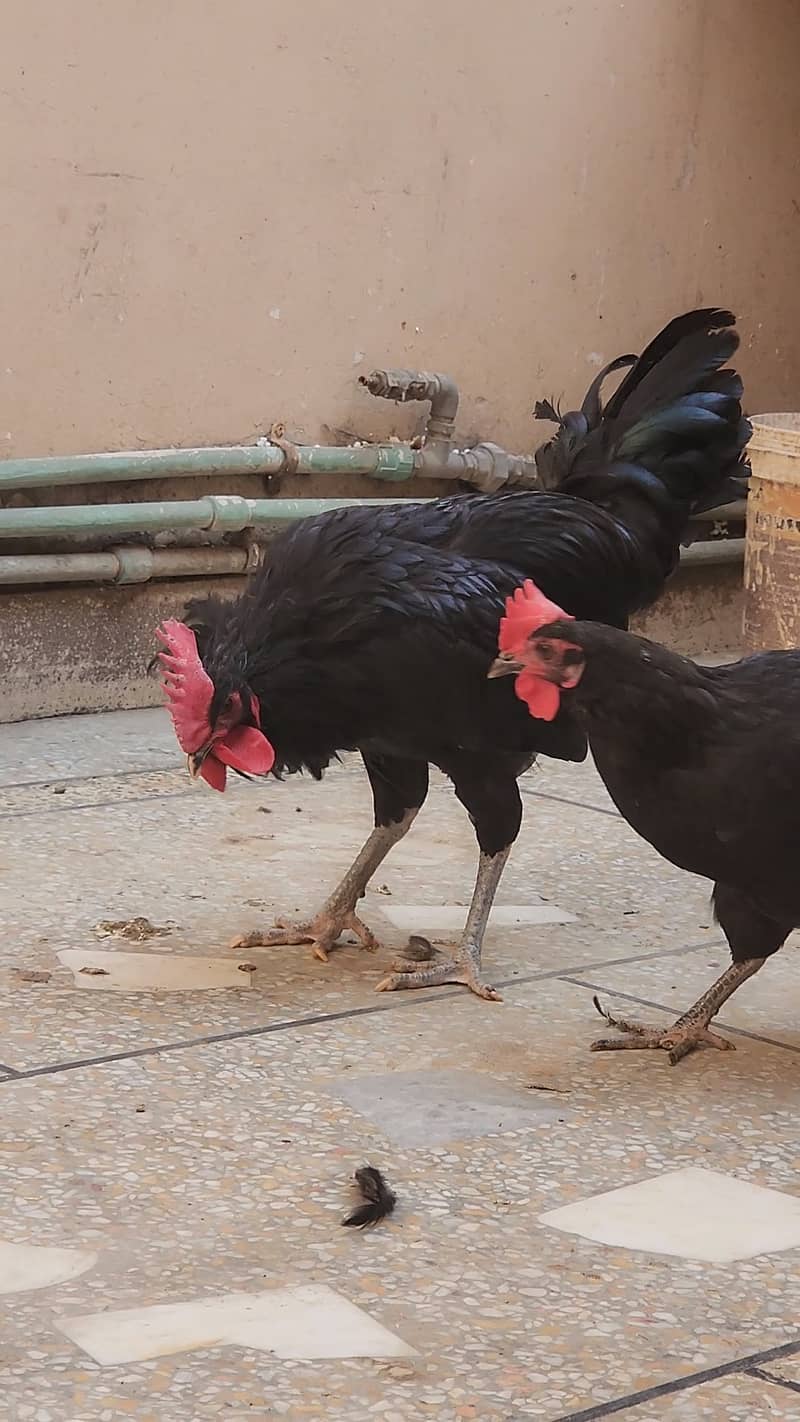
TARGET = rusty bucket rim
x,y
776,435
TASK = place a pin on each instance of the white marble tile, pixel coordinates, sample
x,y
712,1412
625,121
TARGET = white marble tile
x,y
693,1213
37,1266
154,972
450,918
309,1321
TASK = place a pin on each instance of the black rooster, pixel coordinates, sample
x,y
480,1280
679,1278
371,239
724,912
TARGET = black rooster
x,y
704,762
373,629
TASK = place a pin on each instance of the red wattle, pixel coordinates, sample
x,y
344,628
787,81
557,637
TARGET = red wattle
x,y
541,697
214,772
245,748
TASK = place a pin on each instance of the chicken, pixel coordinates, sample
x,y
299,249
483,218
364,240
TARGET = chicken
x,y
373,629
703,762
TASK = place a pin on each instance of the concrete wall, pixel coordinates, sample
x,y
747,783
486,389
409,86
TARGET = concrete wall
x,y
701,613
218,214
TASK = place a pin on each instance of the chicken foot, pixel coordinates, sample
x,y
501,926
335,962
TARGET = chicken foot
x,y
337,914
691,1029
465,964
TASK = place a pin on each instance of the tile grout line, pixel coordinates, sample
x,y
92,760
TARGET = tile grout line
x,y
690,1380
169,769
661,1007
98,805
172,795
55,779
772,1378
428,998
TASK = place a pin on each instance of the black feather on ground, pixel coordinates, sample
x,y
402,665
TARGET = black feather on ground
x,y
379,1200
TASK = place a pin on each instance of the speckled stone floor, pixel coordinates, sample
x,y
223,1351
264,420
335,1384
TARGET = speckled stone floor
x,y
177,1141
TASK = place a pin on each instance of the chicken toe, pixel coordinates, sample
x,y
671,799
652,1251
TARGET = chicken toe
x,y
321,932
337,915
461,964
445,970
684,1036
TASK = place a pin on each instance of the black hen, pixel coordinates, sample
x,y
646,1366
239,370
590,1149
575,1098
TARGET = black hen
x,y
704,763
373,629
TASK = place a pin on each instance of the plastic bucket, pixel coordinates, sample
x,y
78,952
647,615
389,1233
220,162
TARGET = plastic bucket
x,y
772,548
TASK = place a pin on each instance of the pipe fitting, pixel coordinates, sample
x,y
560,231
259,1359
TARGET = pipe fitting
x,y
135,563
389,462
230,513
440,390
485,466
404,385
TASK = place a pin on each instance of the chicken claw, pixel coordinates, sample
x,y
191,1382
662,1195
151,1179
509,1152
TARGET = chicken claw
x,y
322,933
688,1033
445,970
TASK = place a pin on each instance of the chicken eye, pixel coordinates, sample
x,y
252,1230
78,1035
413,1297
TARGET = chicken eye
x,y
545,651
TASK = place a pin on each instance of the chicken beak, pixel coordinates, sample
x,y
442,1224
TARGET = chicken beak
x,y
194,762
505,665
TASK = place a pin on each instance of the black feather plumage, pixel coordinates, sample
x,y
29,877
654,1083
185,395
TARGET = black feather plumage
x,y
379,1200
372,629
703,762
547,410
672,433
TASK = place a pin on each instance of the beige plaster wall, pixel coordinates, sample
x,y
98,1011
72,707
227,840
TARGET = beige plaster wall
x,y
218,214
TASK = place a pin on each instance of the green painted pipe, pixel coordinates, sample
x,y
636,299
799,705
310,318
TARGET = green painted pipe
x,y
130,563
133,563
218,513
484,466
381,461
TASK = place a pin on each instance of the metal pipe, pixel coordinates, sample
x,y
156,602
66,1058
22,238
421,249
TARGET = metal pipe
x,y
218,513
726,513
381,461
123,565
136,564
486,466
440,390
401,386
713,551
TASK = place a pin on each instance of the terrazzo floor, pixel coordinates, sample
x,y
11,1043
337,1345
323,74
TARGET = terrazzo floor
x,y
577,1235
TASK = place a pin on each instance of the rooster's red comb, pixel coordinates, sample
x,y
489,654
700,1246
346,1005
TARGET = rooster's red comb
x,y
188,686
526,612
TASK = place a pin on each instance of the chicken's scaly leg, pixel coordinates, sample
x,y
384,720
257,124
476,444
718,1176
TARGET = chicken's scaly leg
x,y
337,914
399,788
465,966
487,788
691,1029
